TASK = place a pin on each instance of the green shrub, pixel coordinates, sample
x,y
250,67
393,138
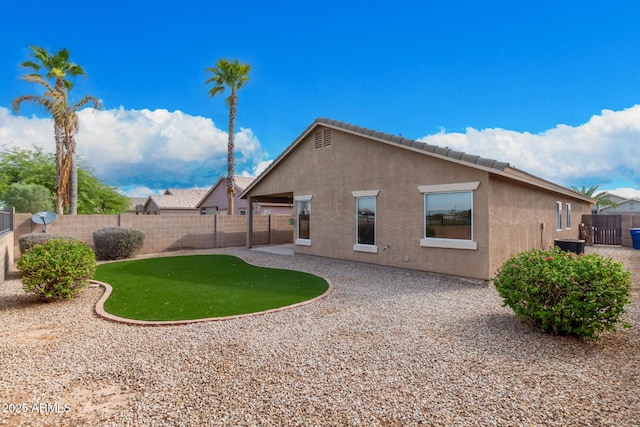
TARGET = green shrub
x,y
27,241
564,293
117,242
57,269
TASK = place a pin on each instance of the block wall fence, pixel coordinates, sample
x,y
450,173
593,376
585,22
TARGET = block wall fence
x,y
6,254
165,233
628,222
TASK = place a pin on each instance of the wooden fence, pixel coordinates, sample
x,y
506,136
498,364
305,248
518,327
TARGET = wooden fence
x,y
606,229
609,229
6,221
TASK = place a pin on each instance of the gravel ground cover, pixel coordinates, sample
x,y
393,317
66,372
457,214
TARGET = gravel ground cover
x,y
387,347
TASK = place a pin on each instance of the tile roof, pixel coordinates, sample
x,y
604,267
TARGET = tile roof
x,y
135,201
398,140
495,166
243,182
175,198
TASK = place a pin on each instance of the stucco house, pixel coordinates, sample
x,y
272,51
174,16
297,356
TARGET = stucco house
x,y
215,201
174,201
373,197
625,206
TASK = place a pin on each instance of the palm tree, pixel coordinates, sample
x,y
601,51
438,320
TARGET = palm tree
x,y
71,127
58,67
601,198
51,101
232,75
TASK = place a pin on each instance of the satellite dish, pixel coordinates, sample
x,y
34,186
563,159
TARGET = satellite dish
x,y
44,218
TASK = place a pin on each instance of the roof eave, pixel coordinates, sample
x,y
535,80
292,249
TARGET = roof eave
x,y
484,164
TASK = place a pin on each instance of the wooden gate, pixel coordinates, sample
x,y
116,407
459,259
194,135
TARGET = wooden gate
x,y
605,229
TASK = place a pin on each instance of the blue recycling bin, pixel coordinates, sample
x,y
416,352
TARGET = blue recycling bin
x,y
635,237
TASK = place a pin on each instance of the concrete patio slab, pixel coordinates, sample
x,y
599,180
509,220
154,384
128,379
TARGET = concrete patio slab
x,y
276,249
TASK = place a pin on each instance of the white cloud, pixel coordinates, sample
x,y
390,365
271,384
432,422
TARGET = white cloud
x,y
604,149
141,148
257,169
26,132
627,193
139,191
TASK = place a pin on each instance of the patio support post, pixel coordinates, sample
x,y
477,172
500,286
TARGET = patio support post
x,y
250,224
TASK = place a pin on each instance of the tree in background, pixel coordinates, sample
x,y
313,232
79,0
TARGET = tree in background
x,y
55,101
36,167
29,198
232,75
601,198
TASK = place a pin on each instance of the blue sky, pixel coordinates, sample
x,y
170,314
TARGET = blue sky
x,y
550,87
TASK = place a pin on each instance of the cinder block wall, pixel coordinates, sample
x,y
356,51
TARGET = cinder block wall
x,y
167,232
629,221
6,254
172,232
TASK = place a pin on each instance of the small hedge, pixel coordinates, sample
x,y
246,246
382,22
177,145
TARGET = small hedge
x,y
564,293
117,243
27,241
57,269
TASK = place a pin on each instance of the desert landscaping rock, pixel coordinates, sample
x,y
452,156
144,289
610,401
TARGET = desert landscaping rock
x,y
387,347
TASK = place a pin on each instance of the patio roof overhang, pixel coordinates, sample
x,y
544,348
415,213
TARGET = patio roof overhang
x,y
284,198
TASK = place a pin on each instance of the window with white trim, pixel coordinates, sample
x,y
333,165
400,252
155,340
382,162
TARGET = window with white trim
x,y
448,215
303,223
558,216
568,214
365,221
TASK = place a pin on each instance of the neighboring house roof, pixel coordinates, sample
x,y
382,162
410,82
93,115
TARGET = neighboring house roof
x,y
174,198
490,165
134,202
243,182
624,205
614,197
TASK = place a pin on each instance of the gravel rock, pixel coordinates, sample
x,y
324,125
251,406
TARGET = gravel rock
x,y
387,347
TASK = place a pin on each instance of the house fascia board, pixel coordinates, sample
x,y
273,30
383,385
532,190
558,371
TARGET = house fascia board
x,y
527,178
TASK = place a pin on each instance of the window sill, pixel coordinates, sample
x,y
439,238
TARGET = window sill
x,y
449,243
365,248
303,242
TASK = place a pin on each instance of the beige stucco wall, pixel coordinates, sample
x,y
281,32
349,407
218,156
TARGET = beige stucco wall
x,y
353,163
218,198
516,212
506,214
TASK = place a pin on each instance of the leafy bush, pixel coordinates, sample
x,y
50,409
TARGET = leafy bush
x,y
117,242
27,241
29,197
57,269
564,293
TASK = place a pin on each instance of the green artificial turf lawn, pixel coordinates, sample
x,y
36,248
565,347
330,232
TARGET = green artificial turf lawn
x,y
201,286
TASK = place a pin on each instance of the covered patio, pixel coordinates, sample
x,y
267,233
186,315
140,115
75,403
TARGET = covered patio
x,y
282,198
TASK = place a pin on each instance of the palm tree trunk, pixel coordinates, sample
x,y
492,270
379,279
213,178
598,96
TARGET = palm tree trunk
x,y
231,187
59,135
72,183
73,186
